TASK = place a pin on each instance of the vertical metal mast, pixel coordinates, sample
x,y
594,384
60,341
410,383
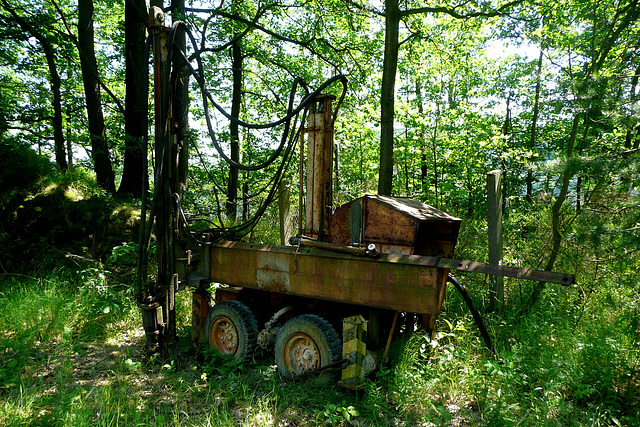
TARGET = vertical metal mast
x,y
165,181
319,195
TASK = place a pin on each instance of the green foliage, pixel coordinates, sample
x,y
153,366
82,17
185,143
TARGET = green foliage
x,y
567,362
221,365
125,254
51,219
334,414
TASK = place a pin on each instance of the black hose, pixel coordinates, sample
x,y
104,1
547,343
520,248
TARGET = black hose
x,y
289,136
476,315
291,111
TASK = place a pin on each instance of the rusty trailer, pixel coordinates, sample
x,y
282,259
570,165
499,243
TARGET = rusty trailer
x,y
386,293
355,277
337,296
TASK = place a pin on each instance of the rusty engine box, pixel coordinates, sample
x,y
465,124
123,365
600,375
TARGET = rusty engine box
x,y
397,225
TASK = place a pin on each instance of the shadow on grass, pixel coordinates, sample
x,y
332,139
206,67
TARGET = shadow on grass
x,y
115,382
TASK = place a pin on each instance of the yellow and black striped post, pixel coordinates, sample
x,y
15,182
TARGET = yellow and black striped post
x,y
354,349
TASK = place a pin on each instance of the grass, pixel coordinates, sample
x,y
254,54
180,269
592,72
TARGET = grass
x,y
72,353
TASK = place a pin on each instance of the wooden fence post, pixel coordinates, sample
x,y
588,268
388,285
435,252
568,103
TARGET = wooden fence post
x,y
494,207
284,195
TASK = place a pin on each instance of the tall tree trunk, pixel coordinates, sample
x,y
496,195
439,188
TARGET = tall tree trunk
x,y
506,131
336,168
632,100
387,97
434,150
99,146
588,123
54,80
534,124
406,166
180,102
134,179
423,147
68,141
234,142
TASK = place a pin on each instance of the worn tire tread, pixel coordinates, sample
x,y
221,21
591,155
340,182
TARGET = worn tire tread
x,y
247,325
325,330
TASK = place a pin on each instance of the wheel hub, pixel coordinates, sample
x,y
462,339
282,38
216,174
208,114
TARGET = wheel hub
x,y
223,335
301,354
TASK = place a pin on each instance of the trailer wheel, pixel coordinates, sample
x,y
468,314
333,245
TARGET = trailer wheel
x,y
304,344
231,329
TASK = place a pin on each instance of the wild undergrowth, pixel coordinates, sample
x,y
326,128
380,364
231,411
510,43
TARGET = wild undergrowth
x,y
72,352
72,347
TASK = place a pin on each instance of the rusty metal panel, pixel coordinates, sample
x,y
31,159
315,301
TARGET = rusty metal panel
x,y
343,228
394,282
437,238
319,196
398,224
315,174
383,224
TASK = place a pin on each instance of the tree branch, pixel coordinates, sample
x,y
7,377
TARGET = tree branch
x,y
454,13
253,24
364,8
30,131
631,13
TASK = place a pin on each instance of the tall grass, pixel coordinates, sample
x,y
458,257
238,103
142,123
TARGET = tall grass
x,y
47,328
72,353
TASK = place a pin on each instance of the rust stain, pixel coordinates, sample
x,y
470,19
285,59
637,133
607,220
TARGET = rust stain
x,y
272,272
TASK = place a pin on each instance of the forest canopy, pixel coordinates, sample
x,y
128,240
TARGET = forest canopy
x,y
437,96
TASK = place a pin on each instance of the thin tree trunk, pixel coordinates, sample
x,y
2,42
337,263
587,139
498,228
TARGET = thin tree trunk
x,y
99,146
68,142
534,123
134,179
423,147
58,135
387,97
555,212
236,99
180,101
336,168
434,150
406,173
587,126
506,131
632,98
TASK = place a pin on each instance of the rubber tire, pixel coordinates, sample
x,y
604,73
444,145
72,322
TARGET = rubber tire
x,y
244,322
325,338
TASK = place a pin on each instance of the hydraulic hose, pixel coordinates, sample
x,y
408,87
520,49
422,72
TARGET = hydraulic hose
x,y
476,315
